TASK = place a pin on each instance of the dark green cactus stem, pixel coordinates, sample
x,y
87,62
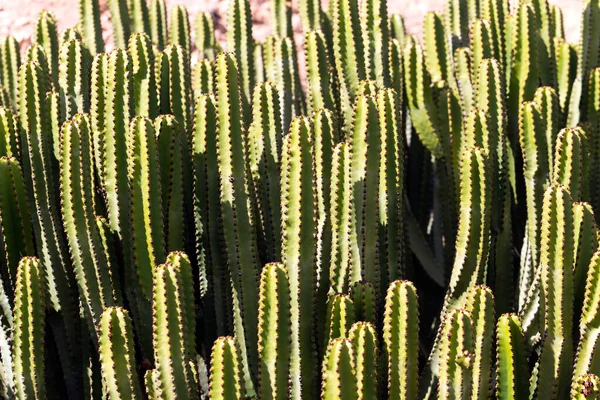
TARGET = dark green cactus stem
x,y
480,303
239,42
496,12
158,23
339,381
456,356
397,30
401,338
10,60
9,134
586,244
17,231
557,290
281,14
173,81
264,159
363,297
180,28
585,387
144,81
311,14
56,121
299,248
456,18
45,35
98,80
92,268
363,336
349,59
557,26
512,376
117,355
169,142
321,84
36,54
571,162
274,332
376,40
481,45
566,69
206,44
121,22
340,317
226,371
69,34
594,137
139,17
203,78
90,26
28,350
73,83
173,328
237,224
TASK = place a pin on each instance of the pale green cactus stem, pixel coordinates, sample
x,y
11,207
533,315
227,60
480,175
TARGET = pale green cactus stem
x,y
375,25
365,156
349,59
98,78
69,34
10,60
391,186
321,82
401,340
274,332
456,356
512,376
36,54
340,317
586,244
45,35
594,136
396,68
438,53
180,28
174,328
264,160
90,26
169,142
367,88
206,44
566,69
480,303
206,209
31,302
121,22
456,18
117,355
239,42
547,102
481,46
524,66
571,162
496,12
158,24
139,17
311,15
340,211
281,14
92,268
147,232
397,30
299,249
339,380
557,26
556,264
363,336
466,87
585,387
226,371
545,42
73,82
237,222
144,81
203,79
259,63
17,231
363,296
9,134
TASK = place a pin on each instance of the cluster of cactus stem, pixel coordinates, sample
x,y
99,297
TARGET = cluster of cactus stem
x,y
182,218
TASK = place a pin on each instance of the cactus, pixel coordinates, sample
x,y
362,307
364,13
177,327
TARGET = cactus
x,y
91,28
586,387
180,28
158,23
321,92
47,37
139,18
339,381
144,80
376,37
456,357
226,381
511,359
206,43
239,42
121,21
203,78
10,59
281,14
74,61
364,341
311,14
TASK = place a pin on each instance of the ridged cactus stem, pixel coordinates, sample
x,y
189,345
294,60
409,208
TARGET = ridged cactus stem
x,y
321,84
45,35
374,19
480,304
158,23
180,28
456,356
225,371
511,359
74,63
144,80
121,22
89,19
363,336
339,381
239,42
10,60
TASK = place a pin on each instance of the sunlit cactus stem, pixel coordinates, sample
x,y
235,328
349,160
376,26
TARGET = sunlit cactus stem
x,y
121,22
339,381
10,60
226,379
511,359
158,23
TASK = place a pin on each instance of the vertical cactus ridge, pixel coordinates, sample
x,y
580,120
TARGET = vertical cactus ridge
x,y
299,247
274,332
456,358
512,380
206,44
121,22
557,289
10,145
340,317
237,222
401,337
225,370
10,60
180,28
321,85
203,79
311,15
45,35
375,34
158,23
436,48
139,16
363,296
456,19
29,329
74,63
566,68
594,134
281,14
117,354
98,77
173,81
173,328
397,29
264,159
239,42
363,336
496,12
144,81
91,28
571,162
586,245
481,45
339,380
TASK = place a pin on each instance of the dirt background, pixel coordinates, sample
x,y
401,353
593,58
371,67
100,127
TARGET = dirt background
x,y
17,17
